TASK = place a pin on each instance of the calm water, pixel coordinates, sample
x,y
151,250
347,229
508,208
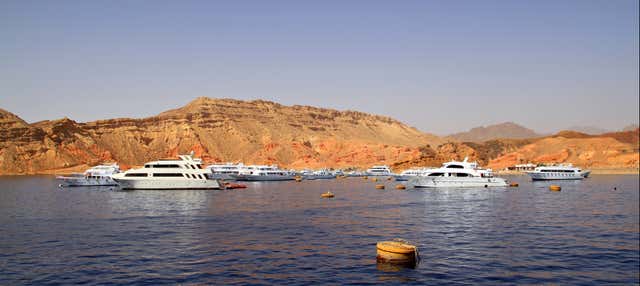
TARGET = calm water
x,y
284,233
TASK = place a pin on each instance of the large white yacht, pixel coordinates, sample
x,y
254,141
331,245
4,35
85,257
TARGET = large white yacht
x,y
412,173
95,176
458,174
382,170
263,173
558,172
225,171
185,172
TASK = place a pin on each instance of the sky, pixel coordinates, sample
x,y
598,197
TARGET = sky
x,y
440,66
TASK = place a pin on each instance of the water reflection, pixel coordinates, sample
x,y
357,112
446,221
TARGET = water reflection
x,y
284,233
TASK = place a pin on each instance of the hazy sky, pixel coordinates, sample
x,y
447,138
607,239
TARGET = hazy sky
x,y
441,66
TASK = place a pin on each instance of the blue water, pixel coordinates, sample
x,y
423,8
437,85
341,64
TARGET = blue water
x,y
284,233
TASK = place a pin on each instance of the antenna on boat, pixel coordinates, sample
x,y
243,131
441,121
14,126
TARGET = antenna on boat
x,y
192,153
465,159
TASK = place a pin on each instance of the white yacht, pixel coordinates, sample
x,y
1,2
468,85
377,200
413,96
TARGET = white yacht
x,y
264,173
379,171
320,174
95,176
558,172
412,173
185,172
225,171
458,174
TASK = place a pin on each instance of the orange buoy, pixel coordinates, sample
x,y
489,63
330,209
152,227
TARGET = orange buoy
x,y
400,187
514,184
397,252
298,179
365,178
327,195
374,179
555,188
380,187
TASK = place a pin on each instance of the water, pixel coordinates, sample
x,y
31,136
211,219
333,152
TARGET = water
x,y
284,233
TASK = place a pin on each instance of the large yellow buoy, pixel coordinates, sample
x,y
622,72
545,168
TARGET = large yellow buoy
x,y
365,178
397,252
380,187
400,187
514,184
327,195
555,188
374,179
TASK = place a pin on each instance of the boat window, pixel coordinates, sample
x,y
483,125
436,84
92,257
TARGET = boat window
x,y
436,175
460,174
199,166
135,175
167,175
164,166
455,166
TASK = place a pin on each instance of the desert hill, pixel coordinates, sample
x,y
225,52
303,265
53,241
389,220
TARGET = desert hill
x,y
614,150
259,132
507,130
263,132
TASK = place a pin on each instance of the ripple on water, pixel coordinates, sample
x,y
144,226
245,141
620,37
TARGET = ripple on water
x,y
284,233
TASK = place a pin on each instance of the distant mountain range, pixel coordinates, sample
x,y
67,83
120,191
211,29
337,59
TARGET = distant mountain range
x,y
264,132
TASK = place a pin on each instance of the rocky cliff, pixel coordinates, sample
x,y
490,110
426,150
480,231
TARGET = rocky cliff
x,y
259,132
263,132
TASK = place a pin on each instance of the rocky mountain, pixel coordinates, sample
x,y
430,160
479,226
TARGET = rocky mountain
x,y
507,130
614,150
258,132
263,132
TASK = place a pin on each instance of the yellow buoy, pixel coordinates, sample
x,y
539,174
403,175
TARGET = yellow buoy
x,y
555,188
327,195
513,184
365,178
389,178
397,252
380,187
298,180
400,187
374,179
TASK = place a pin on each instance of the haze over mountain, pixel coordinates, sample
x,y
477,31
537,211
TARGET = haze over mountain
x,y
263,132
506,130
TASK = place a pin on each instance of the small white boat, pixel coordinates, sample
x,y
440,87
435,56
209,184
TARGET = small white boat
x,y
225,171
382,170
558,172
458,174
320,174
185,172
95,176
264,173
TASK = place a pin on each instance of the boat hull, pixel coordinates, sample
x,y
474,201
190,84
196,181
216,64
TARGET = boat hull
x,y
166,184
319,177
457,182
545,176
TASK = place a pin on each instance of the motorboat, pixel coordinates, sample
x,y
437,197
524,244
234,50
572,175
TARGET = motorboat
x,y
558,172
264,173
320,174
185,172
225,171
458,174
95,176
382,170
